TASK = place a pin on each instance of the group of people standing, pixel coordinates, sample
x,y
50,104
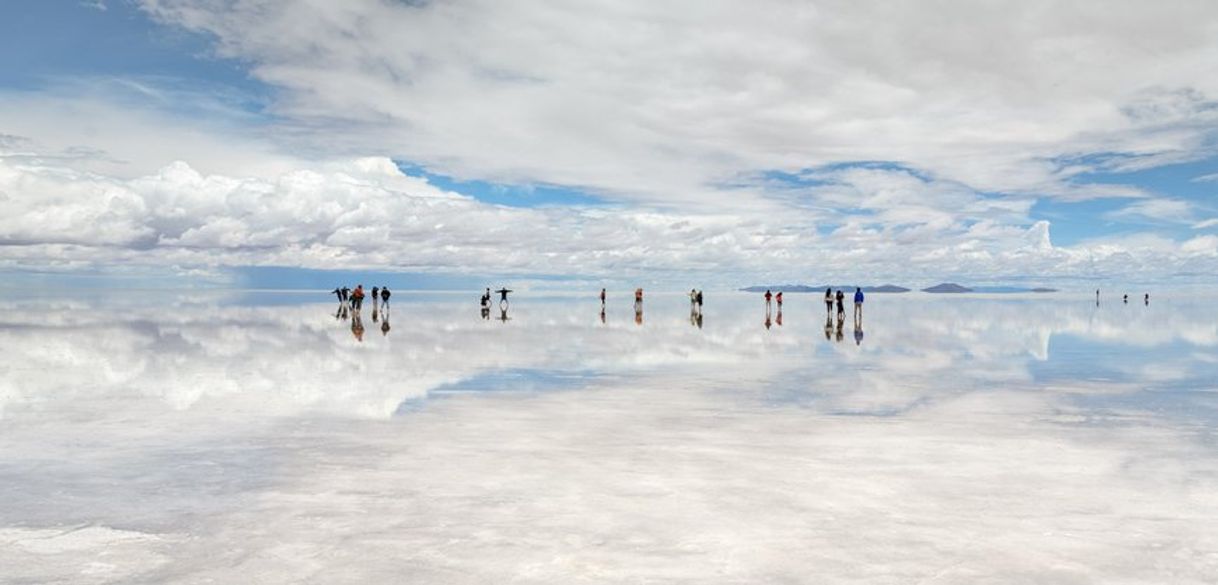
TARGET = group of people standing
x,y
355,297
838,299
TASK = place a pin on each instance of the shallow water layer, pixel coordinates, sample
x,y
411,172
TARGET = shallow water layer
x,y
269,437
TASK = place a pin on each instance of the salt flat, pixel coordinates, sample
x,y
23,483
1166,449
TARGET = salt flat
x,y
224,437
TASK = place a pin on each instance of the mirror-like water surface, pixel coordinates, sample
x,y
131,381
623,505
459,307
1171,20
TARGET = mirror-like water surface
x,y
268,437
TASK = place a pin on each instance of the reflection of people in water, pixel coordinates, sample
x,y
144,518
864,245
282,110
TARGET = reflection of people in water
x,y
838,335
357,326
829,327
699,319
384,319
503,312
778,316
602,315
374,314
486,313
767,319
858,335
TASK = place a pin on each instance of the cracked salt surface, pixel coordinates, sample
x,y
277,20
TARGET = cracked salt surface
x,y
188,439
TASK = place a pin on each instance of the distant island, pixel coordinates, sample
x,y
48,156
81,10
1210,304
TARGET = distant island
x,y
803,288
947,287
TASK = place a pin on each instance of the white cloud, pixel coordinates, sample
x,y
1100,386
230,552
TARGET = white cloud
x,y
662,101
365,213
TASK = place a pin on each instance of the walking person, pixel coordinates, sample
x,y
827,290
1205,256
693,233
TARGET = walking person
x,y
858,307
828,303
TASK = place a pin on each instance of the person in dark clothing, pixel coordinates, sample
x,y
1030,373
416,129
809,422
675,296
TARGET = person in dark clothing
x,y
346,294
385,295
338,292
858,307
841,306
828,303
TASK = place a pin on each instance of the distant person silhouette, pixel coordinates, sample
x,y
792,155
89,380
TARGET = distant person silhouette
x,y
768,298
602,298
1097,297
503,293
699,307
841,306
828,303
357,297
858,306
1125,299
376,296
485,301
385,295
346,294
338,292
778,299
1146,300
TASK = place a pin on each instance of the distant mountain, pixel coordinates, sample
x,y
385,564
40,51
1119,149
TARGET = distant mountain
x,y
947,287
885,288
1043,290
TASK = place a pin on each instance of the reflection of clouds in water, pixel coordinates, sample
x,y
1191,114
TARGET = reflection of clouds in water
x,y
288,358
682,459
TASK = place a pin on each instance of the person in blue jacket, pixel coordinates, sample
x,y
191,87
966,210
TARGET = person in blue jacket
x,y
858,306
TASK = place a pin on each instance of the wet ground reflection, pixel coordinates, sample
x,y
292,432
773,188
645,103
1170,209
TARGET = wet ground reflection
x,y
272,438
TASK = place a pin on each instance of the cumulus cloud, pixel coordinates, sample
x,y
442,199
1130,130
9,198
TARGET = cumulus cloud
x,y
366,213
720,155
661,101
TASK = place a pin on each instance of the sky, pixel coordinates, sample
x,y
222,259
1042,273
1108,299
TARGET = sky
x,y
714,144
